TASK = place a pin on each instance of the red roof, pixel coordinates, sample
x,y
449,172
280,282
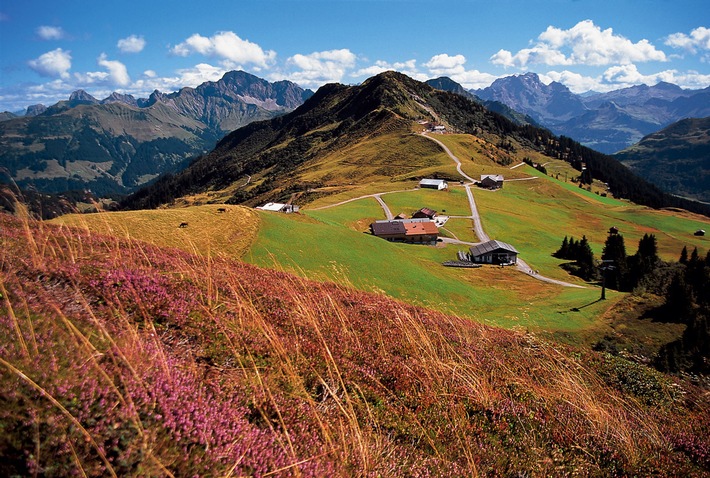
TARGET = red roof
x,y
421,228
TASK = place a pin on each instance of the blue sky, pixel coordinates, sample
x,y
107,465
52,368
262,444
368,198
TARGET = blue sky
x,y
50,48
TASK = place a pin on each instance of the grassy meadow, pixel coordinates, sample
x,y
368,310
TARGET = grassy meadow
x,y
208,231
119,358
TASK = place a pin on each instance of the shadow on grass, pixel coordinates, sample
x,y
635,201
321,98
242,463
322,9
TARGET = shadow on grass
x,y
577,309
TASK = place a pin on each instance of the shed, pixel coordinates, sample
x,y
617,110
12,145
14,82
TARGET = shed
x,y
433,184
491,181
278,207
494,252
424,212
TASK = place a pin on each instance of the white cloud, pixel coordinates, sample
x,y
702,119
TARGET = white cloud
x,y
228,46
583,44
117,72
697,41
445,64
318,68
624,76
576,82
474,79
131,44
150,74
50,33
408,67
199,74
55,63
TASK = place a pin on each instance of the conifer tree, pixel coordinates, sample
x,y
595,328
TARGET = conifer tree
x,y
615,251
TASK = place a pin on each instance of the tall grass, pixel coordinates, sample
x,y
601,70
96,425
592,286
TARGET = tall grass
x,y
122,358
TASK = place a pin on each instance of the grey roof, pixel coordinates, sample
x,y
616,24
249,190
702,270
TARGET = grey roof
x,y
432,182
494,177
386,228
491,246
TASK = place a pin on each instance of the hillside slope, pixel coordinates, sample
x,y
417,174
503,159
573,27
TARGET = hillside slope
x,y
677,158
124,359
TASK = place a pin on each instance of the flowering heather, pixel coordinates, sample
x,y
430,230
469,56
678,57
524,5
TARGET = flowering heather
x,y
123,359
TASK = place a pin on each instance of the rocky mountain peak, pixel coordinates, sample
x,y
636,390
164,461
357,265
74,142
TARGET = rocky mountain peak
x,y
82,97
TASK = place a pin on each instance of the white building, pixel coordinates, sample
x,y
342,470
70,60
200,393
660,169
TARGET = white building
x,y
278,207
433,184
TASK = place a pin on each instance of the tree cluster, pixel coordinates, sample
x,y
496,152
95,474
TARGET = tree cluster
x,y
688,302
581,253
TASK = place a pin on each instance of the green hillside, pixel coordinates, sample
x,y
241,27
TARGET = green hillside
x,y
677,158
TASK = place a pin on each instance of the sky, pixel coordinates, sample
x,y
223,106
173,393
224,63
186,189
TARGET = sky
x,y
50,48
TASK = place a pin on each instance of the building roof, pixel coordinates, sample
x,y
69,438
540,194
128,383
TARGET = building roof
x,y
421,228
427,212
494,177
432,182
492,246
387,228
408,227
272,206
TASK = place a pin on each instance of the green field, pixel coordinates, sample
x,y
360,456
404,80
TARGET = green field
x,y
325,250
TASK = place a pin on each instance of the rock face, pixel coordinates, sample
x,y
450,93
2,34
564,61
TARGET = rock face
x,y
607,122
117,144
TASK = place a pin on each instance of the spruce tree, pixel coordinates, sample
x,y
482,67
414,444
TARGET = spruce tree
x,y
585,260
615,251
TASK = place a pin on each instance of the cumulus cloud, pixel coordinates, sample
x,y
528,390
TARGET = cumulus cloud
x,y
583,44
55,63
228,46
50,33
131,44
199,74
697,41
408,67
117,72
445,64
318,68
624,76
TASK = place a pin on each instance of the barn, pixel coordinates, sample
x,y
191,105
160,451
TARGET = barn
x,y
491,181
424,213
494,252
433,184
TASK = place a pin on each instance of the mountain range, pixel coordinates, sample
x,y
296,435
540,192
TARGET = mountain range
x,y
346,135
117,144
606,122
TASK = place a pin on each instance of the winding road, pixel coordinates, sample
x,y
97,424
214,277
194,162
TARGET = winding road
x,y
521,265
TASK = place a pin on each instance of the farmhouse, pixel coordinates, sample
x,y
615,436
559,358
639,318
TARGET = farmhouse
x,y
406,230
494,252
424,213
278,207
491,181
433,184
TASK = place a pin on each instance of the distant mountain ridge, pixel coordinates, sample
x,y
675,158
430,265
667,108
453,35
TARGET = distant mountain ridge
x,y
606,122
677,158
117,144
